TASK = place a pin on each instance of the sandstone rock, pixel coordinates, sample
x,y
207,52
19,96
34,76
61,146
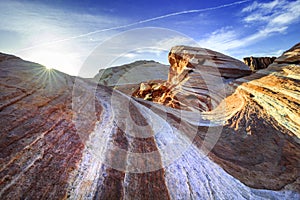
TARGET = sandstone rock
x,y
264,115
63,137
291,56
257,63
266,100
39,146
196,78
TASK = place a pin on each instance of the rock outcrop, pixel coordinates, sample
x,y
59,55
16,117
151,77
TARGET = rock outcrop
x,y
196,79
39,144
290,57
67,138
257,63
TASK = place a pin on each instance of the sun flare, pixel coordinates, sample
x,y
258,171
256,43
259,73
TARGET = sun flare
x,y
48,67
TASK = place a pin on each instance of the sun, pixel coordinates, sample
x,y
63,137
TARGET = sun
x,y
48,67
54,60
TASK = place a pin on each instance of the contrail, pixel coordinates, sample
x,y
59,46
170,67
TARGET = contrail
x,y
137,23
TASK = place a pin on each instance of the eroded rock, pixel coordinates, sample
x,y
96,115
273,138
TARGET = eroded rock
x,y
196,78
92,142
257,63
291,56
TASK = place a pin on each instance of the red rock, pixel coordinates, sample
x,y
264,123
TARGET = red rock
x,y
189,84
90,141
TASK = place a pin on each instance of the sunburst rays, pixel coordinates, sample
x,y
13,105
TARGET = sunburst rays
x,y
49,78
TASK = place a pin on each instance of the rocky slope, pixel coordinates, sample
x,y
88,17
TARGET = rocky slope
x,y
66,137
39,144
256,63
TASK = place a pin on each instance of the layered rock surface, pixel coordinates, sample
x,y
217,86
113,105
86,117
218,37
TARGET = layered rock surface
x,y
39,146
196,79
257,63
290,57
66,137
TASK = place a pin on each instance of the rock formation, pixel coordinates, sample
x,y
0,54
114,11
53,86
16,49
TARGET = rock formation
x,y
256,63
66,137
291,56
39,146
196,79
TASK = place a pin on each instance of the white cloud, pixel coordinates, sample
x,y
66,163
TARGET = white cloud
x,y
130,55
221,40
251,7
36,17
268,53
275,13
144,51
269,18
265,7
175,39
256,17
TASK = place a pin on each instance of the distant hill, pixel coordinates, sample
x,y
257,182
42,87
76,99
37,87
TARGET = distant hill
x,y
133,73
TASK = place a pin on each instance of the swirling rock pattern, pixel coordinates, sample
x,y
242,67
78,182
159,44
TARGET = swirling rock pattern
x,y
196,79
65,137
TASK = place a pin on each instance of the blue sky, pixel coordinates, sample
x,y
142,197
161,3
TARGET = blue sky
x,y
62,34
